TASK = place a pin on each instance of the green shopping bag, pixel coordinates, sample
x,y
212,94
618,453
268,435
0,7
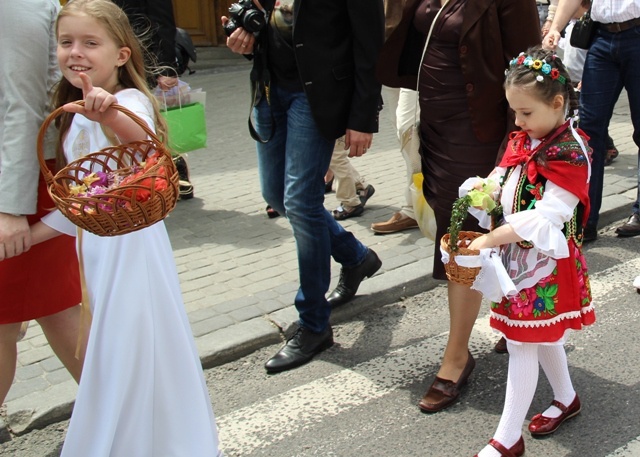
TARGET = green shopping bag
x,y
187,127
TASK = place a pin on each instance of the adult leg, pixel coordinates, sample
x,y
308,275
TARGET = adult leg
x,y
348,181
8,356
292,166
629,52
464,306
406,115
62,330
522,380
402,103
601,86
457,363
271,155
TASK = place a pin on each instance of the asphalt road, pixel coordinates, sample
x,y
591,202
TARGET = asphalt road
x,y
359,397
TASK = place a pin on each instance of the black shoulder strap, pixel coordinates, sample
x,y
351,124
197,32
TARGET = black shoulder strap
x,y
261,82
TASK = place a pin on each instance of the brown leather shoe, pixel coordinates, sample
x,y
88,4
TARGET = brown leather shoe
x,y
542,425
501,346
397,223
447,392
631,227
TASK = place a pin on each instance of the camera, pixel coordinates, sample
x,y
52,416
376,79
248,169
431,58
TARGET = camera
x,y
246,15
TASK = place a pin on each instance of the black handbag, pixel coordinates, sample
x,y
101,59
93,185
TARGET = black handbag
x,y
583,31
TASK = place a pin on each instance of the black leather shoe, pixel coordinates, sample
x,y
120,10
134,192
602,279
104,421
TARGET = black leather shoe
x,y
299,349
590,233
631,227
351,277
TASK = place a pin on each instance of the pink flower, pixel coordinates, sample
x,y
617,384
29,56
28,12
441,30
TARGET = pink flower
x,y
523,303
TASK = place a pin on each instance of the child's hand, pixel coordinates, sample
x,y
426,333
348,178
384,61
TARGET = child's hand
x,y
96,103
41,232
482,242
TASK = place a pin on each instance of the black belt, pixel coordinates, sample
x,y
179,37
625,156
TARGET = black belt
x,y
616,27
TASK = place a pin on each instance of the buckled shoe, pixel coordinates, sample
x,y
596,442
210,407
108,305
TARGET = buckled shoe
x,y
542,425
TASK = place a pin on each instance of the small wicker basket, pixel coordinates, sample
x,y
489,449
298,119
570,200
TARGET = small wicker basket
x,y
134,205
455,272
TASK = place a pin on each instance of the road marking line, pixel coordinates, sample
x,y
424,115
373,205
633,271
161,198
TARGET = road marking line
x,y
274,419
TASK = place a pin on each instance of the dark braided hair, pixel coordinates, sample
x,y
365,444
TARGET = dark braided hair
x,y
548,81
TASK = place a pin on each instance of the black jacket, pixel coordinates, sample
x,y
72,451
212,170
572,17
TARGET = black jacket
x,y
336,45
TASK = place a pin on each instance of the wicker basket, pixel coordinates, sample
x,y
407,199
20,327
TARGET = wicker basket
x,y
139,203
456,273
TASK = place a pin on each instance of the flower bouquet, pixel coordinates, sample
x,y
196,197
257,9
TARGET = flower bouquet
x,y
117,190
456,241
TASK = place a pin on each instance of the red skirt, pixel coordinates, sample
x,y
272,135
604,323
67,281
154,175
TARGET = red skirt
x,y
543,313
43,281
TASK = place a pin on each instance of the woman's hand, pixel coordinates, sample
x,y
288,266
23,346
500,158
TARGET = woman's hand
x,y
551,39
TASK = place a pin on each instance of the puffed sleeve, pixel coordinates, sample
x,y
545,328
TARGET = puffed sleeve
x,y
543,225
57,221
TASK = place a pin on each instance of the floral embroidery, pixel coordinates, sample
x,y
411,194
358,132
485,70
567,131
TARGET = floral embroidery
x,y
538,301
584,284
536,191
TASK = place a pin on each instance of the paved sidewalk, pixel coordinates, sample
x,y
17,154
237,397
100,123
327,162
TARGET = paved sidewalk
x,y
238,269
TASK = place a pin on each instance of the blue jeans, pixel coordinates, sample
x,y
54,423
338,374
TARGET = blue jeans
x,y
292,166
613,62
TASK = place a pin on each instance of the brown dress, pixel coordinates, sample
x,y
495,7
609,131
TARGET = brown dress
x,y
450,150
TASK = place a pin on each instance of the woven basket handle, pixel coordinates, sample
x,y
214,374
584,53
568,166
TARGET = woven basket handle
x,y
48,176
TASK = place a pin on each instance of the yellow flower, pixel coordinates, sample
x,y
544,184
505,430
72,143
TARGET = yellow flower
x,y
89,179
79,189
537,64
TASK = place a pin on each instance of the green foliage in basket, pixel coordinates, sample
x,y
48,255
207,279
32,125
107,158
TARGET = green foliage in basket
x,y
476,198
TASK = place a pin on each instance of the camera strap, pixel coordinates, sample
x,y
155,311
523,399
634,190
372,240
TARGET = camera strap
x,y
260,76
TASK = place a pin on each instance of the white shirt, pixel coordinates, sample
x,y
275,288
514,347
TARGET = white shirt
x,y
608,11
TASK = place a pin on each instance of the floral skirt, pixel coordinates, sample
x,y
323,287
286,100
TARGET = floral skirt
x,y
543,313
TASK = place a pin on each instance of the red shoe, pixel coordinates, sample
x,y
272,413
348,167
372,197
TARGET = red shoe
x,y
541,425
516,450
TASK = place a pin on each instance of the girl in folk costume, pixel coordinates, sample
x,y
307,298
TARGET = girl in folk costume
x,y
142,391
543,189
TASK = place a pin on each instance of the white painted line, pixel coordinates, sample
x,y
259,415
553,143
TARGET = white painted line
x,y
276,418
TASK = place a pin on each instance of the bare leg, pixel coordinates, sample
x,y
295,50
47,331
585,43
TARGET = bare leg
x,y
464,306
61,330
8,356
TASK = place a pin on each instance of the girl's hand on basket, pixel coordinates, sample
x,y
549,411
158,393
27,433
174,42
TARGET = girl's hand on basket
x,y
96,103
482,242
502,235
97,107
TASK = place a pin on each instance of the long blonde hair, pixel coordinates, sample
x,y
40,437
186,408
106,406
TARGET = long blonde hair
x,y
131,75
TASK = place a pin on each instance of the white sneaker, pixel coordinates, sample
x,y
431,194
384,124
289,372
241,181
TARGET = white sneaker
x,y
636,283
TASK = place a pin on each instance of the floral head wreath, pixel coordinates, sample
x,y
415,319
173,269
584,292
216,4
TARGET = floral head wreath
x,y
539,66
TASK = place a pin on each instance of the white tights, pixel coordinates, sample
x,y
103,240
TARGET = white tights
x,y
522,381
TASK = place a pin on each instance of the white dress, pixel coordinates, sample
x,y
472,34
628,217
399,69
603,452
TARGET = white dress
x,y
142,392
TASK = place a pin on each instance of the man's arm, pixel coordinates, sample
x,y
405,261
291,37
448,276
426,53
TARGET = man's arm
x,y
367,26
